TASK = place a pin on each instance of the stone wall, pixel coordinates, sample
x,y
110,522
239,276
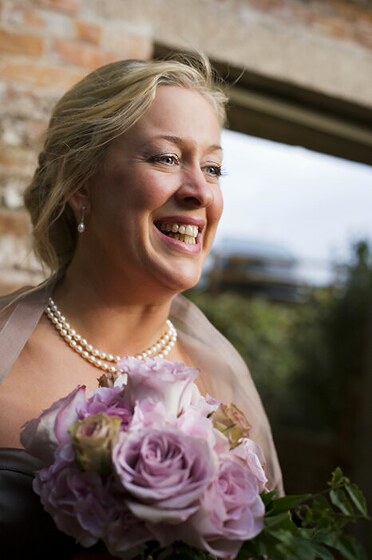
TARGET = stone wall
x,y
47,45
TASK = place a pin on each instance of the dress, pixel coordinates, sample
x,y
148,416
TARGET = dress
x,y
224,376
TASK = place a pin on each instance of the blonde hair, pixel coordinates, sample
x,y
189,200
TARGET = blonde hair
x,y
99,108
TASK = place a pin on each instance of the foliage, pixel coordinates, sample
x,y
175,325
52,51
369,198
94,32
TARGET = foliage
x,y
261,332
305,527
329,340
303,357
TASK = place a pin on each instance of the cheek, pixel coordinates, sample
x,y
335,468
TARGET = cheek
x,y
149,193
217,206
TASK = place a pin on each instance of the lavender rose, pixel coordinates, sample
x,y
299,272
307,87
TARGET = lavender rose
x,y
80,502
251,456
41,436
231,512
111,401
160,380
127,535
164,472
195,424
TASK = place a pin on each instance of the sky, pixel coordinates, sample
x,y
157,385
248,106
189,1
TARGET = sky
x,y
313,205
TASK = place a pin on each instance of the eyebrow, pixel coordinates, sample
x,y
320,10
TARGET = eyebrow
x,y
178,141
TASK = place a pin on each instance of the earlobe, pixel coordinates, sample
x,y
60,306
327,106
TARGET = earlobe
x,y
77,201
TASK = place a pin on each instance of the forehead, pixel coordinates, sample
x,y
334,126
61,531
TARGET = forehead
x,y
179,111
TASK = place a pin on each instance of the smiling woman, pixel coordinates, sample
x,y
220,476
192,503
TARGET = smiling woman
x,y
125,204
162,172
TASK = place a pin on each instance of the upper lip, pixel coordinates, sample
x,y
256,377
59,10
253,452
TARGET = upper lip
x,y
187,220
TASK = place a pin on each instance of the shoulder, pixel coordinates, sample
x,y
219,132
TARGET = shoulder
x,y
19,315
8,302
29,295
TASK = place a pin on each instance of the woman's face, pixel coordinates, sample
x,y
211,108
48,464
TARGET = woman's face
x,y
155,204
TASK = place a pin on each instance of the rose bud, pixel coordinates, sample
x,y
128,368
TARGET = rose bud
x,y
93,438
231,421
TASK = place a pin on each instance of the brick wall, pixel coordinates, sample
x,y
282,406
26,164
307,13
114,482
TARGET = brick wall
x,y
47,45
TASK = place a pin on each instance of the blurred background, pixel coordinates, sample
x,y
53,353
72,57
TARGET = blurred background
x,y
289,281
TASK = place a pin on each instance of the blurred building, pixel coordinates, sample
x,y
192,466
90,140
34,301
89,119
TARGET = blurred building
x,y
254,268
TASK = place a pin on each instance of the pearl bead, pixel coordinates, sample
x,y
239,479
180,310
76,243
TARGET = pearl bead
x,y
98,358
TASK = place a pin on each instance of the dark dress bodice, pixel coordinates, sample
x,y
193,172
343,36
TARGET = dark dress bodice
x,y
26,530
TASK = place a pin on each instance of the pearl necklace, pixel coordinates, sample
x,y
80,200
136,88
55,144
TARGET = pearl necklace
x,y
104,360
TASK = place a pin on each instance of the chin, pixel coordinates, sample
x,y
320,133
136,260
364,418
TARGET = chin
x,y
181,282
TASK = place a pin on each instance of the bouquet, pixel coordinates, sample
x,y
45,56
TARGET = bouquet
x,y
153,469
148,458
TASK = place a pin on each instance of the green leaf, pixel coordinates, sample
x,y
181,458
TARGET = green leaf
x,y
282,520
339,499
338,478
322,553
350,549
288,502
297,548
357,497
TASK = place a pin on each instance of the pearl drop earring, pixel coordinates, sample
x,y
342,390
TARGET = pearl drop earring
x,y
81,224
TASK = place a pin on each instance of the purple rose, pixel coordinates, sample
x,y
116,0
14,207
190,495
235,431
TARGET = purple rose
x,y
195,424
126,535
251,456
231,512
79,502
148,414
110,401
206,405
41,436
165,472
160,380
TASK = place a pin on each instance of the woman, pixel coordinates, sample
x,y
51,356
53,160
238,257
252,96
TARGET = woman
x,y
125,203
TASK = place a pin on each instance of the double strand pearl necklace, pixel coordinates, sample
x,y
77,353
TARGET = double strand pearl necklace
x,y
104,360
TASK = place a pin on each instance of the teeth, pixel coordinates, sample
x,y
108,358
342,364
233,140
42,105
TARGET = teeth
x,y
183,231
188,239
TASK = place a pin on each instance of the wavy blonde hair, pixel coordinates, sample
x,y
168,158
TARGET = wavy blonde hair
x,y
99,108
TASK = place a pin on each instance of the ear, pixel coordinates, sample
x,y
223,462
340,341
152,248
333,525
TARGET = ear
x,y
77,200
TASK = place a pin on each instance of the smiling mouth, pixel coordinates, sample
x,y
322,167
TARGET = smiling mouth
x,y
186,233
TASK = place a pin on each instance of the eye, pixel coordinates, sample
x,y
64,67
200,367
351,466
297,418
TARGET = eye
x,y
213,170
166,159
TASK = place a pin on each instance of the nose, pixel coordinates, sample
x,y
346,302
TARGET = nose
x,y
195,191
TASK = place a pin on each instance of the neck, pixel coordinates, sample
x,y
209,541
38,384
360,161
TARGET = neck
x,y
111,317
